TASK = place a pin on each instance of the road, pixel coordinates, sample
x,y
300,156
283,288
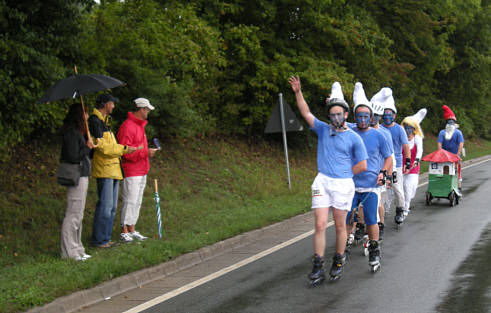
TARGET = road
x,y
438,261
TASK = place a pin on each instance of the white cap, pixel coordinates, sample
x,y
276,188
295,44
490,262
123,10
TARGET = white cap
x,y
143,103
383,100
359,98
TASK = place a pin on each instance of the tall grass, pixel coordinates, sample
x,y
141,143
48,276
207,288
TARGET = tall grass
x,y
210,190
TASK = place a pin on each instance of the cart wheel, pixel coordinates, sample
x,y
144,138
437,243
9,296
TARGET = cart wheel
x,y
428,198
452,198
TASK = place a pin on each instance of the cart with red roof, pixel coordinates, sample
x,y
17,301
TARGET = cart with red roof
x,y
442,177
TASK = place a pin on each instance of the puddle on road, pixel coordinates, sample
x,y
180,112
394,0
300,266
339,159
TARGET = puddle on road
x,y
471,284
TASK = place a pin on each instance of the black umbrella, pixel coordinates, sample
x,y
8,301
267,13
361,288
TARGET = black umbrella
x,y
78,85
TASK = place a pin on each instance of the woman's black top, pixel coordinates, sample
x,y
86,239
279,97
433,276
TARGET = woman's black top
x,y
74,150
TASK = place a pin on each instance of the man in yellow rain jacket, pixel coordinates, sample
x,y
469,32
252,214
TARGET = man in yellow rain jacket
x,y
106,169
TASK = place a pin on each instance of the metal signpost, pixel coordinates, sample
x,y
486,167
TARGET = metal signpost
x,y
282,120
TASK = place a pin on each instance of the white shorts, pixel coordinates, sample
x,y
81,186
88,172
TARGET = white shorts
x,y
332,192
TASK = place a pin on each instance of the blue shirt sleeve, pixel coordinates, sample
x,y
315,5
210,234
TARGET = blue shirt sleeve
x,y
319,126
460,137
385,147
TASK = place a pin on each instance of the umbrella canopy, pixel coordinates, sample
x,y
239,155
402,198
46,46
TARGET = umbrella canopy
x,y
441,156
78,85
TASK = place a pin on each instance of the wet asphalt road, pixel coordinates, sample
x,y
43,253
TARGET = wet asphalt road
x,y
438,261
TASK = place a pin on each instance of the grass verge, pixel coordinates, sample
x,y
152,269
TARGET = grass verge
x,y
210,190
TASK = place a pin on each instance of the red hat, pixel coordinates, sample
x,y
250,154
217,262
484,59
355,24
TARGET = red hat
x,y
447,113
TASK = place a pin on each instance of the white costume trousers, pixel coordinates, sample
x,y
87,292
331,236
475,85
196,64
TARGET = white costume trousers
x,y
132,193
410,187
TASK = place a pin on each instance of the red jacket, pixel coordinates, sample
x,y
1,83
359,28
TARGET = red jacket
x,y
132,133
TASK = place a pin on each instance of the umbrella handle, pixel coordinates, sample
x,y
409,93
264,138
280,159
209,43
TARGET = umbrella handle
x,y
156,185
83,106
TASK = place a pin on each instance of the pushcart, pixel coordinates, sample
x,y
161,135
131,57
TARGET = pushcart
x,y
443,179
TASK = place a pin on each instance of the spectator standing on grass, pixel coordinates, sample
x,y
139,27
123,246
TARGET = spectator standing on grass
x,y
106,168
75,149
135,167
340,154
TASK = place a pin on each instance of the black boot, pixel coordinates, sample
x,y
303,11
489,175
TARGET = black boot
x,y
337,266
374,255
317,275
381,227
360,231
399,215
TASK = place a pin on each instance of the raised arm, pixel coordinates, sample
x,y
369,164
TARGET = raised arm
x,y
301,103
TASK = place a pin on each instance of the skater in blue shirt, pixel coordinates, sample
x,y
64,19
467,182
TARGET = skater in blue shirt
x,y
378,103
338,148
400,142
367,183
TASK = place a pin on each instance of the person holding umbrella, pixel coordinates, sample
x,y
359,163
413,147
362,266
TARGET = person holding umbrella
x,y
106,169
75,150
135,167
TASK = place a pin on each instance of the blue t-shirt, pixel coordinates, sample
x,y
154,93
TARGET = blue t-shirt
x,y
378,150
337,153
388,137
399,138
451,145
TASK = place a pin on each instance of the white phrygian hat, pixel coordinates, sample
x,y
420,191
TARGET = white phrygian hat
x,y
383,100
337,97
359,98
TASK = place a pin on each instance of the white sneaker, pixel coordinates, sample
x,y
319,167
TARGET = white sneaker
x,y
86,257
126,237
136,235
83,257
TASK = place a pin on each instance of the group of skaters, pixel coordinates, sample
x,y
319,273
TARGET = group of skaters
x,y
110,159
363,168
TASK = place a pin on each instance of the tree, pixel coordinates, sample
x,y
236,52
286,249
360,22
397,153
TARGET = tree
x,y
38,42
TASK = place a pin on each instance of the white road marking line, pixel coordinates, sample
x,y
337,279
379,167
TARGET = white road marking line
x,y
219,273
201,281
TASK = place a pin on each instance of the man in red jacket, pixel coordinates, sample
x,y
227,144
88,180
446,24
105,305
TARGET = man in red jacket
x,y
135,167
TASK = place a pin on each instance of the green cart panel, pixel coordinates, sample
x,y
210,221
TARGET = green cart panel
x,y
440,186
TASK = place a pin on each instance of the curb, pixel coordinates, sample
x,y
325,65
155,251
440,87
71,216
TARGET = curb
x,y
114,287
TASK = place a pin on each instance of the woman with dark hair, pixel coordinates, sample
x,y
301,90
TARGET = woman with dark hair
x,y
75,149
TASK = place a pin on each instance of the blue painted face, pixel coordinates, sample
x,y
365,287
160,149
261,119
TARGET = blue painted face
x,y
362,120
337,119
374,120
409,130
450,122
388,118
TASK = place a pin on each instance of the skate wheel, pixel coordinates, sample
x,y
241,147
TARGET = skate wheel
x,y
334,278
428,198
452,197
317,282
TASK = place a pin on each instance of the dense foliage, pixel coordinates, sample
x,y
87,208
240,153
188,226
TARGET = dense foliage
x,y
218,66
